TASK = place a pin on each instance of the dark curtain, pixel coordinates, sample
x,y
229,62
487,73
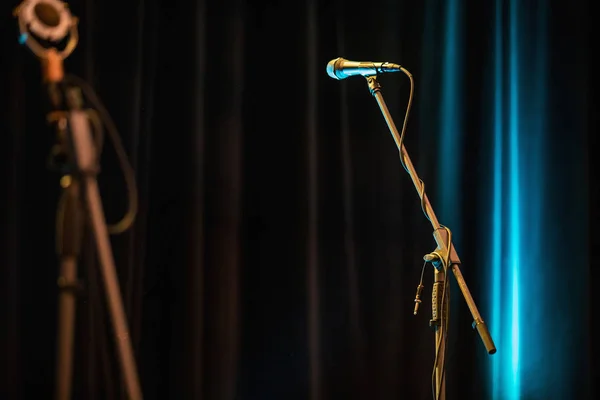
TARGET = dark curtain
x,y
278,243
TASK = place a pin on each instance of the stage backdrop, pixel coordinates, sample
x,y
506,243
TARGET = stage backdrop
x,y
279,242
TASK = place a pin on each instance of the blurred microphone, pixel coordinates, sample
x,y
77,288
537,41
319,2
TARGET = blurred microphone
x,y
340,68
48,20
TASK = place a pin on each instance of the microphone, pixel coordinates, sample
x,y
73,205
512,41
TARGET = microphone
x,y
341,68
44,24
49,20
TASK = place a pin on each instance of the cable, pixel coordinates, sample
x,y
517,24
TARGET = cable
x,y
445,307
445,262
446,298
419,289
128,173
401,140
422,273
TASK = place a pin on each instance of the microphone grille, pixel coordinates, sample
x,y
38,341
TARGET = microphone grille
x,y
331,67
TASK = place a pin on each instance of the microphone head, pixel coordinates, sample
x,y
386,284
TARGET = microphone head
x,y
49,20
332,66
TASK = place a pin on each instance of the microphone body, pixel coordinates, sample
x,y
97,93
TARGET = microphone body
x,y
340,68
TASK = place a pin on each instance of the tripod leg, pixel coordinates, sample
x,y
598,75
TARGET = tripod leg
x,y
85,155
69,230
113,293
66,328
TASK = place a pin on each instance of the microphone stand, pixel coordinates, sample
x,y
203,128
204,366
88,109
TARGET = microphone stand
x,y
77,144
51,20
443,257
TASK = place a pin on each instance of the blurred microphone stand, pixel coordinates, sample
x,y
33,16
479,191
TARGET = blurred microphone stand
x,y
50,21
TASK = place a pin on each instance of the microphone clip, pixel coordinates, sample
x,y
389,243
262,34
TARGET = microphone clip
x,y
373,84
